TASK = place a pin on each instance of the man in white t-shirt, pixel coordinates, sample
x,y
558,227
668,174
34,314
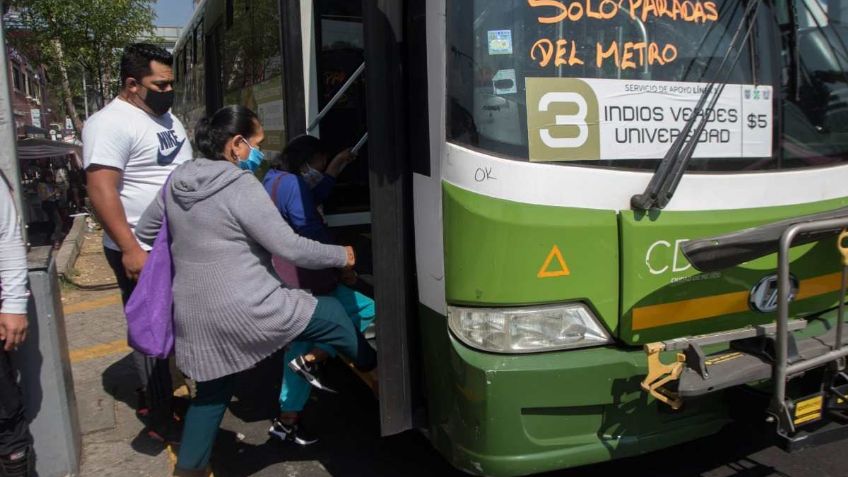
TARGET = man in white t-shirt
x,y
130,148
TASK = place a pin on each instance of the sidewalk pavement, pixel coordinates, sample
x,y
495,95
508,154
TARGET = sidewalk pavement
x,y
104,377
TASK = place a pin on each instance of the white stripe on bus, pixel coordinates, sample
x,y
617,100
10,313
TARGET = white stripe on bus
x,y
609,189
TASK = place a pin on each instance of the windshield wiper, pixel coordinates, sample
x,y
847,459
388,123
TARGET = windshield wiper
x,y
670,170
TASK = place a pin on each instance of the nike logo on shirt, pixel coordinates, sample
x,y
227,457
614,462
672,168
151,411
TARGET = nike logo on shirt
x,y
167,159
168,140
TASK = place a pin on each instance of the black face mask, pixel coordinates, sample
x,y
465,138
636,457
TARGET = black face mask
x,y
159,102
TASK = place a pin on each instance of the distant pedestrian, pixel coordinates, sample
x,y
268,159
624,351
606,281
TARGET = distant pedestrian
x,y
63,183
130,148
16,456
230,308
49,193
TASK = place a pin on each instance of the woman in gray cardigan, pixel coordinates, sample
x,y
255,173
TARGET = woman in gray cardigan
x,y
230,308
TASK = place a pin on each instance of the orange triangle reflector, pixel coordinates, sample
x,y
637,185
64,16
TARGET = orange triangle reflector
x,y
546,272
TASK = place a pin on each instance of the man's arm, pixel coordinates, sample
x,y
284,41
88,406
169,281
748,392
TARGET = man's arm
x,y
13,273
103,184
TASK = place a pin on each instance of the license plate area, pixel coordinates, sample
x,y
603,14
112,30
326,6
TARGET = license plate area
x,y
808,409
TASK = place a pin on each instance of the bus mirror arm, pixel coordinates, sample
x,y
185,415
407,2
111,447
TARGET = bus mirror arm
x,y
717,253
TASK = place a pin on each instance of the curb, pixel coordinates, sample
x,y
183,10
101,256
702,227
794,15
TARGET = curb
x,y
70,249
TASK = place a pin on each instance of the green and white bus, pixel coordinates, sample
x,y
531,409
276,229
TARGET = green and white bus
x,y
571,213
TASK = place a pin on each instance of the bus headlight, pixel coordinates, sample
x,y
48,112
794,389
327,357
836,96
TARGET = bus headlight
x,y
527,329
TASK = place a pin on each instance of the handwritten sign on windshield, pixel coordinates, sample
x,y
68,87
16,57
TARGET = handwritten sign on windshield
x,y
624,54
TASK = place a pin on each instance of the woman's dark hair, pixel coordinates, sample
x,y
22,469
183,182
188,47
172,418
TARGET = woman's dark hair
x,y
135,62
212,133
298,152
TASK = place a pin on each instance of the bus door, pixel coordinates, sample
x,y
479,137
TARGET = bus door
x,y
370,207
339,50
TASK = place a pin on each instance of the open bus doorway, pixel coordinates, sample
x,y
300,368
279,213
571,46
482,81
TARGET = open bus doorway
x,y
371,205
286,59
339,53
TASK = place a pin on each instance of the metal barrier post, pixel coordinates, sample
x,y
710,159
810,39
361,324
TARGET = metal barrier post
x,y
45,367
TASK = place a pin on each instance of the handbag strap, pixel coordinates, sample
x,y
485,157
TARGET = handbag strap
x,y
275,189
165,197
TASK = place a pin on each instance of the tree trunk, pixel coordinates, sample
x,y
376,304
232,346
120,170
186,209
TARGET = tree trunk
x,y
101,93
106,81
68,96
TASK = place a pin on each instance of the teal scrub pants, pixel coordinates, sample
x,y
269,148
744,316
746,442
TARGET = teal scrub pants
x,y
295,390
330,326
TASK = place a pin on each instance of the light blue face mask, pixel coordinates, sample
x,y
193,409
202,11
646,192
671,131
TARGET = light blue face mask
x,y
312,176
253,160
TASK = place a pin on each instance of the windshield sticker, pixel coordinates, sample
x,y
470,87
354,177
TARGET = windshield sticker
x,y
571,119
504,82
500,42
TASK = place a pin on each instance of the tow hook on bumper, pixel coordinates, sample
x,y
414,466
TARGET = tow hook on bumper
x,y
660,374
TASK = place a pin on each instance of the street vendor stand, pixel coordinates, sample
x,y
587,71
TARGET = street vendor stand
x,y
37,155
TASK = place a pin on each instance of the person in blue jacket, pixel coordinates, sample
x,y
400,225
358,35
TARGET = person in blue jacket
x,y
299,182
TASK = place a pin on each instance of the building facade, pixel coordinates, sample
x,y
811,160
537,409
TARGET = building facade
x,y
28,82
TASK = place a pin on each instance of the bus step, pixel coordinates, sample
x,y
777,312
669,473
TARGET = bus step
x,y
370,333
367,377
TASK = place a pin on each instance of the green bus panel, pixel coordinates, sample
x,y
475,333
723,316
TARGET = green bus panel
x,y
663,297
501,253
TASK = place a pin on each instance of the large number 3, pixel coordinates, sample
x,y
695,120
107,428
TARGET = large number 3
x,y
578,120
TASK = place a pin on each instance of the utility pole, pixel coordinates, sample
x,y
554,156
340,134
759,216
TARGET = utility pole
x,y
8,147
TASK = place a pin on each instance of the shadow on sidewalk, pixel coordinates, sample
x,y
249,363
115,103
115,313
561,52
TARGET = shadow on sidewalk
x,y
120,380
350,444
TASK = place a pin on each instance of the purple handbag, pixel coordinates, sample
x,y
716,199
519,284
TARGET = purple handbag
x,y
150,309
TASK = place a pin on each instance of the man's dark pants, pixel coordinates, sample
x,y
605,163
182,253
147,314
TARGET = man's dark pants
x,y
154,373
14,433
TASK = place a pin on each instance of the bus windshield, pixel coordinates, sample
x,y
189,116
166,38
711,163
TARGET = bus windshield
x,y
611,83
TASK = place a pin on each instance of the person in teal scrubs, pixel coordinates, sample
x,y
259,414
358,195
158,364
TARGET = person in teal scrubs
x,y
299,182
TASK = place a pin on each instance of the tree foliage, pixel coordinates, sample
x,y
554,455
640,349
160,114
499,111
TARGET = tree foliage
x,y
72,37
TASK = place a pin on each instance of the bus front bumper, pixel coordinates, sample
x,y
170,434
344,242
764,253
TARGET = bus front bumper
x,y
508,415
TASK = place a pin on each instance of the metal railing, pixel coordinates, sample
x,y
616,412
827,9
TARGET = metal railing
x,y
336,97
782,370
